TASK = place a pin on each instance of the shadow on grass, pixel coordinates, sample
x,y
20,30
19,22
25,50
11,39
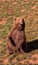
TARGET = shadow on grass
x,y
33,45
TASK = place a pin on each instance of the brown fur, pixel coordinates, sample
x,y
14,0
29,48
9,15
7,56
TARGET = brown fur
x,y
16,36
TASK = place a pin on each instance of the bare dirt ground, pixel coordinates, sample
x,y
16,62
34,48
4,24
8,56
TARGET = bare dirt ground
x,y
9,9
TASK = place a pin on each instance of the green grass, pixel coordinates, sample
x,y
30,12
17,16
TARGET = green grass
x,y
9,11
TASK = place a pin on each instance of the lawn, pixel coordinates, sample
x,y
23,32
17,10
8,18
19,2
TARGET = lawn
x,y
9,9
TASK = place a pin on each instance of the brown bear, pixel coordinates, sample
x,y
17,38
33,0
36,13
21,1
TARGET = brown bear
x,y
16,37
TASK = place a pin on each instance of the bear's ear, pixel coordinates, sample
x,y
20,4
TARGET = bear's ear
x,y
15,19
22,19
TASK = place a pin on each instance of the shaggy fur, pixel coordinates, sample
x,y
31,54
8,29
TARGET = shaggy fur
x,y
16,37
